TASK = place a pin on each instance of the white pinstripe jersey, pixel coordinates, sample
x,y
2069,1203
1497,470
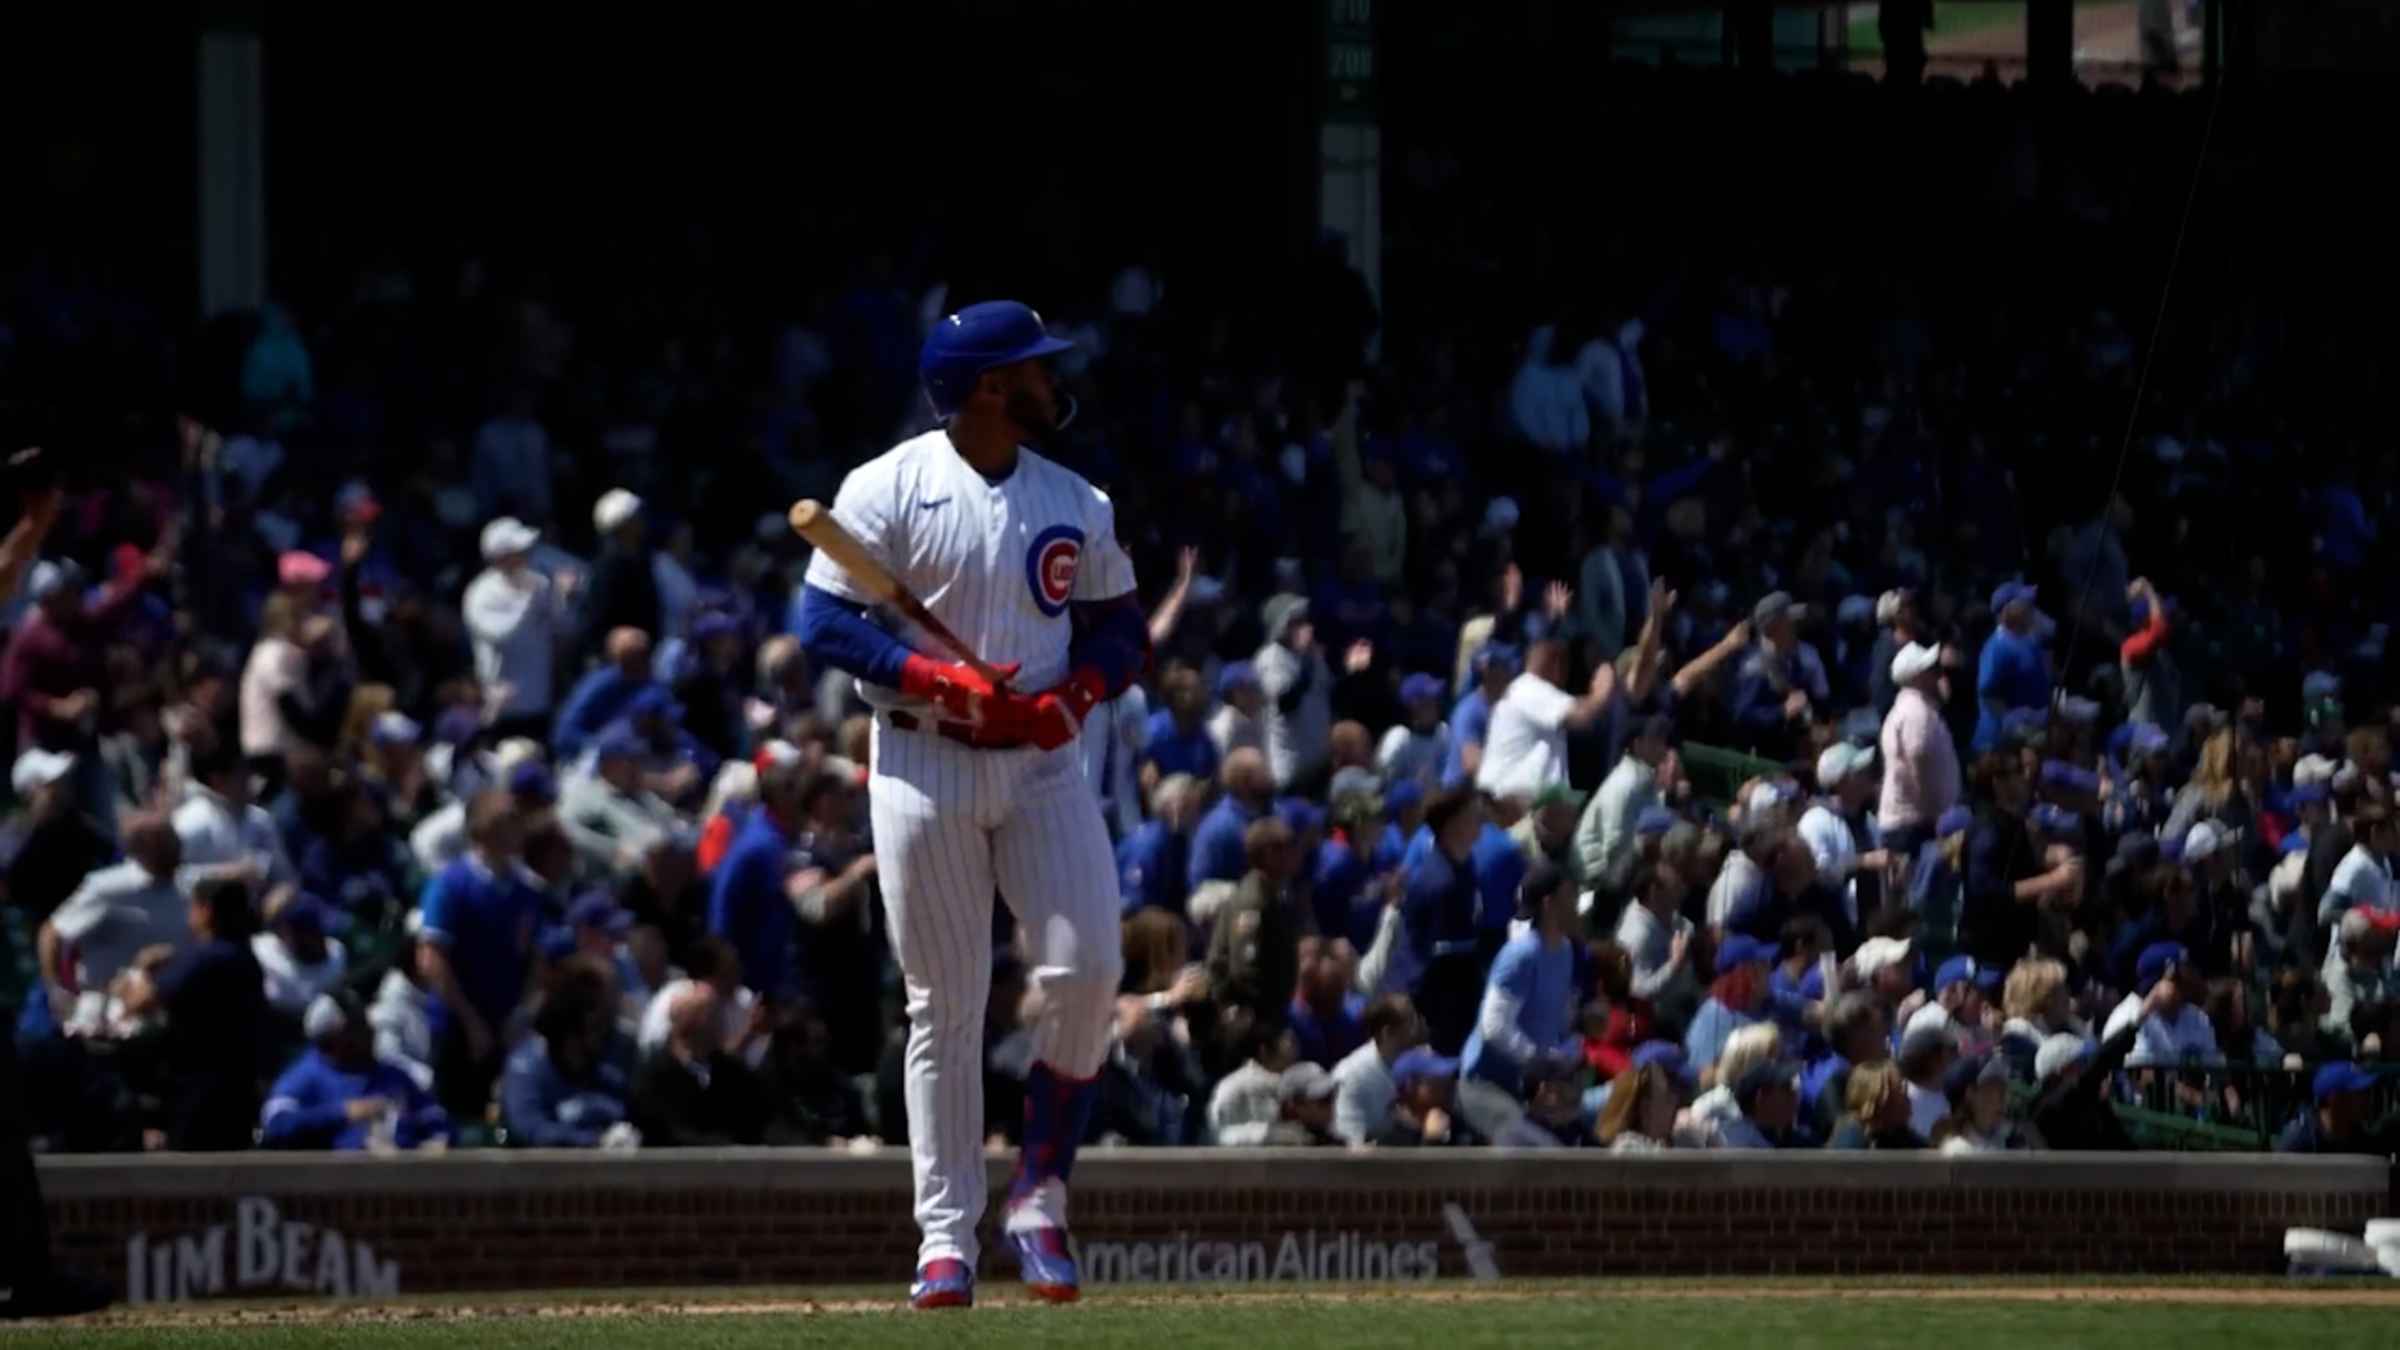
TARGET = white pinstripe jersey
x,y
1000,563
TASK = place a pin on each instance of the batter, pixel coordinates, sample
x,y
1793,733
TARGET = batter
x,y
977,787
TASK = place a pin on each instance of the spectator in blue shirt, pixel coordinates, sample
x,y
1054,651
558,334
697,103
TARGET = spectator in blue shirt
x,y
750,900
1176,739
678,767
1498,865
1493,666
2013,671
1780,687
1734,1001
1217,842
1326,1017
602,696
475,951
1437,965
1523,1029
1154,862
568,1084
1347,881
338,1095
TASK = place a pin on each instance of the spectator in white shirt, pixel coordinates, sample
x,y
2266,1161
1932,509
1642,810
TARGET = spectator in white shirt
x,y
222,831
2364,876
1364,1087
1299,689
1604,838
296,958
2178,1031
1418,748
114,914
2358,965
1920,774
1654,933
1526,749
1833,825
1240,719
739,1021
514,617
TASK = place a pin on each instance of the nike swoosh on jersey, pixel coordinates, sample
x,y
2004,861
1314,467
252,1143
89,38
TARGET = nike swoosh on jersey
x,y
923,505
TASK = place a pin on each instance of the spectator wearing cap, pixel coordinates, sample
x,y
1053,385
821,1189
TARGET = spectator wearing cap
x,y
709,690
222,830
569,1084
1427,945
295,685
1546,832
1248,1100
2364,879
2153,686
1304,1096
1176,740
515,767
1526,748
1921,774
1249,791
2013,673
1936,883
1364,1084
340,1095
755,891
1298,712
599,927
1154,862
1420,1114
1927,1049
2136,797
1239,723
393,765
2009,880
1348,886
1977,1088
1604,837
475,951
1492,667
604,692
1768,1097
2174,1030
113,915
1898,625
2335,1121
612,817
299,962
675,764
1736,999
1836,830
2358,972
1875,1111
1857,1033
515,616
1964,988
1780,686
2177,915
51,844
52,669
1640,1113
1253,947
1523,1029
624,589
1743,889
1418,748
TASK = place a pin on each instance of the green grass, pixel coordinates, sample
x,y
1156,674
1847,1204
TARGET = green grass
x,y
1783,1314
1949,20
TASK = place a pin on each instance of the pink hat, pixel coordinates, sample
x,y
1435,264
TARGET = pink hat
x,y
299,567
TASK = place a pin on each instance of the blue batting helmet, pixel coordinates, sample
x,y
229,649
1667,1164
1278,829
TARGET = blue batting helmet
x,y
976,339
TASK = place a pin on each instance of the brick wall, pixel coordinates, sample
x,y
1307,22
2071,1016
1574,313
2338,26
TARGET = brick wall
x,y
518,1221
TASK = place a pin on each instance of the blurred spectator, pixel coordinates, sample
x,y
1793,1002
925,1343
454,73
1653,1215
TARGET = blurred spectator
x,y
1418,748
1253,945
567,1085
604,693
1493,666
113,915
510,468
1977,1088
1522,1029
216,1024
624,585
1526,748
51,843
1176,739
516,616
339,1095
1325,1014
475,950
2013,673
1875,1111
755,892
742,1021
2173,1029
1921,774
1426,945
224,832
1420,1113
1735,1000
1154,862
1365,1086
2336,1119
1604,837
1640,1116
298,962
1217,841
1780,686
1239,723
691,1093
1292,674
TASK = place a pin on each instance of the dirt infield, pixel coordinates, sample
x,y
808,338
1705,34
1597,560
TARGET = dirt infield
x,y
549,1307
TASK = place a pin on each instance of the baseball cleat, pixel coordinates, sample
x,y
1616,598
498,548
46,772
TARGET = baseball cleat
x,y
944,1283
1046,1265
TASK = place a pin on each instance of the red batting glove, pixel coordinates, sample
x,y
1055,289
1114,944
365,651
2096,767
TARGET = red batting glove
x,y
961,694
1059,711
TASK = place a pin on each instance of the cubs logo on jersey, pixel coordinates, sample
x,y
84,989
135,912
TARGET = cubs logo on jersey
x,y
1050,567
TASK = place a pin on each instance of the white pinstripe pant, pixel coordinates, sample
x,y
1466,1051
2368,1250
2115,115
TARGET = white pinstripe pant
x,y
952,825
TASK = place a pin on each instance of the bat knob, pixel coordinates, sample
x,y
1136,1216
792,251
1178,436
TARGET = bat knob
x,y
805,513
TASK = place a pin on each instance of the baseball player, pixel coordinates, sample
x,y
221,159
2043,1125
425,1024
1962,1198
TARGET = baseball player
x,y
978,786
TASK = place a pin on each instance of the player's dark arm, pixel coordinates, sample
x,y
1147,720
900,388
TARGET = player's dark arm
x,y
1111,643
838,633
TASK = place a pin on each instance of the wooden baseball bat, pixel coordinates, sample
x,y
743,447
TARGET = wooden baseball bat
x,y
814,523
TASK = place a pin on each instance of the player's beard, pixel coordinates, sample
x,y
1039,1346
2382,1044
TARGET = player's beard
x,y
1036,417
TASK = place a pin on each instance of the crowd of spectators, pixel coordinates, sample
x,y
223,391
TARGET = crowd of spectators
x,y
1726,721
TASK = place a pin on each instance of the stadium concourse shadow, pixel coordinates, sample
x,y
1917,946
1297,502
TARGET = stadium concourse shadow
x,y
169,1226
